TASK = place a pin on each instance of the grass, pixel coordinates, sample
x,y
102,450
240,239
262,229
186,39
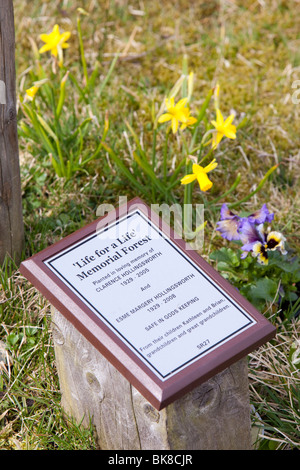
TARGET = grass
x,y
252,50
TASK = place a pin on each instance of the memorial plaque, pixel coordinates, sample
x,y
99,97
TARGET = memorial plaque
x,y
151,305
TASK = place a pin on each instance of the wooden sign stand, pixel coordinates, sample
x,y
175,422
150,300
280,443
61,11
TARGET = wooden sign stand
x,y
150,340
213,416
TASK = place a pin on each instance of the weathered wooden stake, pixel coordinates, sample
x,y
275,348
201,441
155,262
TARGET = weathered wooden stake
x,y
11,218
214,416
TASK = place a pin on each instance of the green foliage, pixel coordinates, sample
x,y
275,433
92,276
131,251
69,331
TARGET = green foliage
x,y
277,282
50,121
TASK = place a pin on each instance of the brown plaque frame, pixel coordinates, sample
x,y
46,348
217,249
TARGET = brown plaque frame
x,y
159,393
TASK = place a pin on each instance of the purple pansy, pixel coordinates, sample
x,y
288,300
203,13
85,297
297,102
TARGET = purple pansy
x,y
231,224
250,232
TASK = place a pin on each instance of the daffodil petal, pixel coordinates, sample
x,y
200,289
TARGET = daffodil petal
x,y
181,103
216,139
220,120
229,120
211,166
54,51
45,48
174,125
44,37
169,103
165,117
65,36
191,120
230,133
197,168
188,179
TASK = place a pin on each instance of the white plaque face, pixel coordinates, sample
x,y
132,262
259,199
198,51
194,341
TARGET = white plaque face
x,y
150,294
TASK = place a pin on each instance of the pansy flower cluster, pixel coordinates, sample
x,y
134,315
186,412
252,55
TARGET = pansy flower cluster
x,y
255,238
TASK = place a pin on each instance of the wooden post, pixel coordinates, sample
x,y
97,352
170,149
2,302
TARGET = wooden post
x,y
11,219
213,416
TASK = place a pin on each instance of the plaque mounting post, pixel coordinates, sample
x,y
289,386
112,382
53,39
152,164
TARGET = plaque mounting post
x,y
213,416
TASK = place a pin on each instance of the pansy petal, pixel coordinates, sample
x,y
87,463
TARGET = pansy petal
x,y
250,233
275,240
229,228
226,213
261,216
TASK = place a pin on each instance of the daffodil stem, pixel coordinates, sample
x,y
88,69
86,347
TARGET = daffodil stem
x,y
83,61
188,188
206,156
154,149
165,161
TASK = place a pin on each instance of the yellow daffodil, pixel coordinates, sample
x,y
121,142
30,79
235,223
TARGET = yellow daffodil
x,y
176,114
55,42
223,128
31,92
190,120
200,174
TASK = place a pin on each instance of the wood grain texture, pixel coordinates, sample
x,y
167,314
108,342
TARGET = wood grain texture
x,y
213,416
11,219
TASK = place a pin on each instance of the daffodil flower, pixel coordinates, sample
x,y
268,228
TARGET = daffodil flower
x,y
223,128
200,174
177,114
55,42
31,92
